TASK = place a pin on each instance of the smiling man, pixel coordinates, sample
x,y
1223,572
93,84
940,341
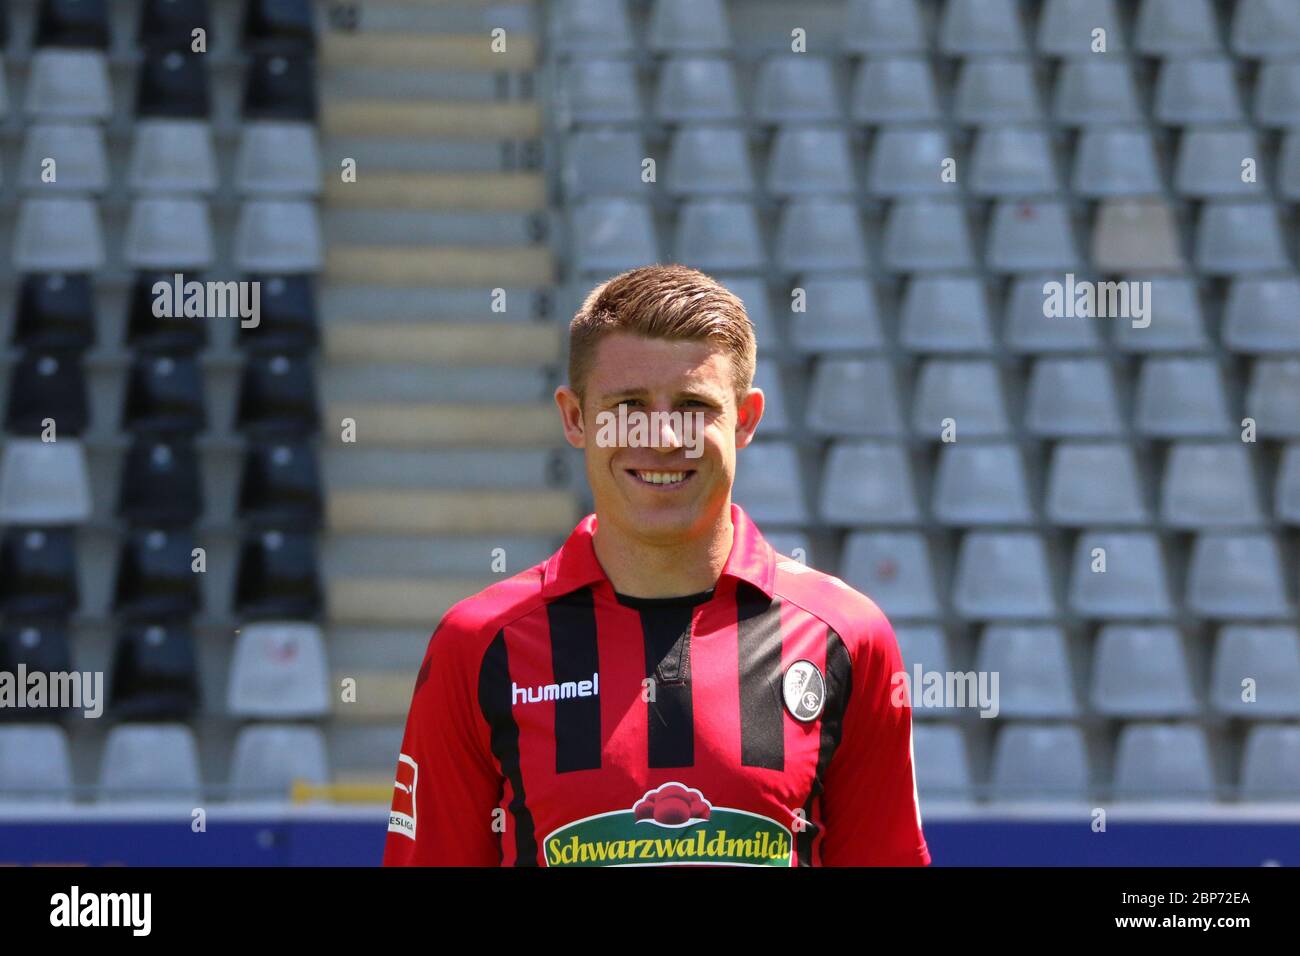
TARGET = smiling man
x,y
665,688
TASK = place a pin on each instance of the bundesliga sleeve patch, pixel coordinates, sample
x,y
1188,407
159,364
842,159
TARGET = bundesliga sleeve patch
x,y
401,819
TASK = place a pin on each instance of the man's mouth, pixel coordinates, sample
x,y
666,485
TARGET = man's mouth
x,y
662,479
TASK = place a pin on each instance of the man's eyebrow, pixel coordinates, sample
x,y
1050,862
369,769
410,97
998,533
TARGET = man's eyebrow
x,y
641,392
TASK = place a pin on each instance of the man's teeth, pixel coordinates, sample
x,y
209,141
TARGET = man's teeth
x,y
661,477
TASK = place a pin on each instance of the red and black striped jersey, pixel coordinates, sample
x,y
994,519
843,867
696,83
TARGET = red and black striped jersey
x,y
556,722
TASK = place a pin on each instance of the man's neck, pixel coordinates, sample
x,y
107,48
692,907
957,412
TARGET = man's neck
x,y
641,568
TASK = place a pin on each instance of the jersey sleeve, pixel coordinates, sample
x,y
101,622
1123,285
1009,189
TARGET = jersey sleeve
x,y
447,783
869,803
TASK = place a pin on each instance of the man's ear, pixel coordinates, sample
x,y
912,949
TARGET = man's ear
x,y
570,406
748,414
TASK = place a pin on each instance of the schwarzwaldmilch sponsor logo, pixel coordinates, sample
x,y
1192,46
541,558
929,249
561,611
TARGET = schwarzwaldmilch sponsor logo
x,y
673,823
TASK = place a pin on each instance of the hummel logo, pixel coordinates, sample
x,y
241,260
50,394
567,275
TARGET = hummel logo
x,y
532,695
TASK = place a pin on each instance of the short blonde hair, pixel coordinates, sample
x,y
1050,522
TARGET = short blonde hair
x,y
671,302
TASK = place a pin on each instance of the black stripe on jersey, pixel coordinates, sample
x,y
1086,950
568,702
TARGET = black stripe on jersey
x,y
495,703
670,715
762,717
839,683
574,658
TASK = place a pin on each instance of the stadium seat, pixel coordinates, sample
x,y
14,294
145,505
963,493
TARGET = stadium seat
x,y
79,155
1073,398
1209,485
172,156
1012,161
1034,670
925,646
278,577
688,26
148,763
1094,483
43,483
1132,583
1266,655
1265,28
996,90
895,569
708,160
279,159
68,85
981,485
945,314
270,758
810,160
1260,314
54,312
160,482
1273,397
1167,762
47,385
883,26
1234,575
37,647
38,573
1240,237
173,84
942,763
1142,671
280,485
840,314
690,90
1197,90
164,394
796,88
279,671
277,396
820,234
1133,235
280,87
854,397
981,26
968,391
35,766
168,334
1065,27
925,235
1181,398
894,89
1116,161
612,234
1277,93
169,24
1270,765
606,91
155,672
1040,762
590,26
1031,236
770,486
285,25
1096,90
752,291
909,161
718,235
72,23
169,232
278,236
603,161
776,415
1003,575
1026,329
867,483
58,235
1209,162
1175,319
155,577
1177,27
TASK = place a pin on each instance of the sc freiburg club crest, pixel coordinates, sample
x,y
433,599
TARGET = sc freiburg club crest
x,y
804,690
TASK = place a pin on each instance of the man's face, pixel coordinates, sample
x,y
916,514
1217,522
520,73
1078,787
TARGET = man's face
x,y
674,488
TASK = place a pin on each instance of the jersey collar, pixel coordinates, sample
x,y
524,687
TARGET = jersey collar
x,y
574,566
